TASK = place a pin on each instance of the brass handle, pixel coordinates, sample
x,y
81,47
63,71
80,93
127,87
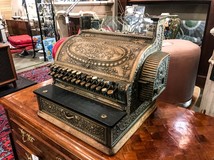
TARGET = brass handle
x,y
26,137
70,116
28,156
31,156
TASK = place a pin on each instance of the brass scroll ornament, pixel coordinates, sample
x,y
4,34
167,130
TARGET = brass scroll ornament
x,y
28,156
31,157
26,137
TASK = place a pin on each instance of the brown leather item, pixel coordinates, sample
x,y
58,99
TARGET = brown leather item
x,y
183,67
171,132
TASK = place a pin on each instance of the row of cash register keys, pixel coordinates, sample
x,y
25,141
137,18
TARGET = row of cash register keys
x,y
110,89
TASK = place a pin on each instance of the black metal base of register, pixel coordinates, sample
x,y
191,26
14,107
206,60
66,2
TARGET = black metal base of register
x,y
99,125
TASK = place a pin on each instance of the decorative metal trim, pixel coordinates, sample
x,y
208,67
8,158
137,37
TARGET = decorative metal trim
x,y
28,156
153,77
119,65
91,95
74,120
121,128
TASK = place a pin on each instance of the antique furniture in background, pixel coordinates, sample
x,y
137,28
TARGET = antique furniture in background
x,y
192,9
184,60
7,69
20,37
102,8
18,27
171,132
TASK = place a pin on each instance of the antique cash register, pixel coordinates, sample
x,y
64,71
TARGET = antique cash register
x,y
105,85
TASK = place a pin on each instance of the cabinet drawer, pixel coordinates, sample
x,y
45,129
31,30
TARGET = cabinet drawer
x,y
23,152
33,140
36,147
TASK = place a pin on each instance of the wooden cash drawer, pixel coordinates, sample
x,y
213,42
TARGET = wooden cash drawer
x,y
29,141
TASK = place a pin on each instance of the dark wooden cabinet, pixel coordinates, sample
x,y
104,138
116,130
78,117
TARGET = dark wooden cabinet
x,y
18,27
208,39
30,142
7,69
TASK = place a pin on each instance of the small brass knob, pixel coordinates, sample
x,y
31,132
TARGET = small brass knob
x,y
110,92
103,116
44,91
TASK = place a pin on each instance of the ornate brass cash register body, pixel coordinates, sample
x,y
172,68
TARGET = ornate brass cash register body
x,y
105,85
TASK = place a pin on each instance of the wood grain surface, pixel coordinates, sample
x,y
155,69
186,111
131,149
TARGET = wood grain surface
x,y
171,132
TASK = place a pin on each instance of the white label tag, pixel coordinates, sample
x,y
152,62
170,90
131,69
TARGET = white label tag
x,y
34,157
66,20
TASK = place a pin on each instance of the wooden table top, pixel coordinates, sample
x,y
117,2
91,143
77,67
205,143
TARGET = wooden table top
x,y
171,132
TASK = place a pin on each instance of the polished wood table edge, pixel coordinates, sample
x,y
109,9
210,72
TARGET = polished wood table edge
x,y
80,149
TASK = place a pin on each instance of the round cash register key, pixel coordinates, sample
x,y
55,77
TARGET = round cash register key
x,y
82,83
73,80
94,78
93,86
104,90
98,88
78,73
110,92
87,85
73,72
69,70
78,81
